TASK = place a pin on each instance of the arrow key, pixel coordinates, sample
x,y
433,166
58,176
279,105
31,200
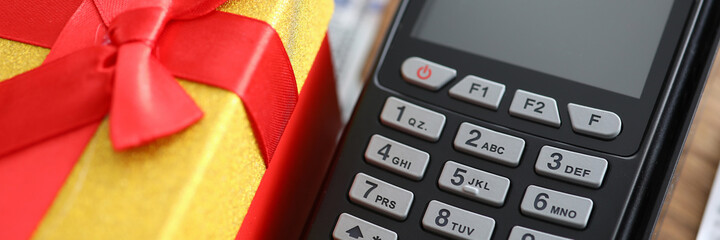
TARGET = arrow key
x,y
349,227
355,232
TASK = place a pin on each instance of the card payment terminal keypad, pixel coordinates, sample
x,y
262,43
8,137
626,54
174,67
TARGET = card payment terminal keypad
x,y
484,144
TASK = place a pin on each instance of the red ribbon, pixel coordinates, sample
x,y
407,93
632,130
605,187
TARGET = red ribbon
x,y
120,57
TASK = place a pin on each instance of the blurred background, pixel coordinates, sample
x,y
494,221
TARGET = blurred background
x,y
356,32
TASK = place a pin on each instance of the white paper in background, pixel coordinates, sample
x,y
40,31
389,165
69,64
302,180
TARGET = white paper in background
x,y
710,225
352,31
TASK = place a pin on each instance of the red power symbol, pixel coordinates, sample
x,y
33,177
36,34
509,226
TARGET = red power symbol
x,y
424,72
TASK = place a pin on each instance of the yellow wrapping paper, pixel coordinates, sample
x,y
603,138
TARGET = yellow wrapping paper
x,y
196,184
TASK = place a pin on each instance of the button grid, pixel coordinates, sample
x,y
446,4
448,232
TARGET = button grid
x,y
484,187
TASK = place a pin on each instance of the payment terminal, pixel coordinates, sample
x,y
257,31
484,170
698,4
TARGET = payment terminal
x,y
520,119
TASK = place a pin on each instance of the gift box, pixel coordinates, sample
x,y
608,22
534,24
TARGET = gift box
x,y
239,158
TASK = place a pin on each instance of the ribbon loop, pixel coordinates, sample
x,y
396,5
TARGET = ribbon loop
x,y
138,25
147,102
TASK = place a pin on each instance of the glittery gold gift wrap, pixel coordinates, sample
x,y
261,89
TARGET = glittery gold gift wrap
x,y
196,184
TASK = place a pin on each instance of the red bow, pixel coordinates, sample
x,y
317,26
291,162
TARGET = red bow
x,y
120,57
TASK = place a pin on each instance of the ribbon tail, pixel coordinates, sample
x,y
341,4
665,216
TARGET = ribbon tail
x,y
148,103
56,97
246,57
270,96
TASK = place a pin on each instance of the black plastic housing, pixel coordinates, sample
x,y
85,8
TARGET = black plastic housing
x,y
641,160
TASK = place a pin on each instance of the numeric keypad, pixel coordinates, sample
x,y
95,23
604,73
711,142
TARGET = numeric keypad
x,y
470,182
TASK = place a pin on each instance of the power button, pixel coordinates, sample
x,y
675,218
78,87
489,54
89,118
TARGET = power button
x,y
426,74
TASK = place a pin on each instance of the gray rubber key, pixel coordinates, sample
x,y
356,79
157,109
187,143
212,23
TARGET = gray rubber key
x,y
381,196
478,91
456,223
535,107
570,166
521,233
557,207
397,157
475,184
425,73
488,144
594,122
349,227
412,119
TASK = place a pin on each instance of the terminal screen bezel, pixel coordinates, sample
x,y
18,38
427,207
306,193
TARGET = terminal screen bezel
x,y
635,112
